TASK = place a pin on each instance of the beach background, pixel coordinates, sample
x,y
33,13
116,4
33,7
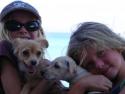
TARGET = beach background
x,y
58,43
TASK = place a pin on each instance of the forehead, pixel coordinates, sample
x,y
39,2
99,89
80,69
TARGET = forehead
x,y
30,45
21,15
91,52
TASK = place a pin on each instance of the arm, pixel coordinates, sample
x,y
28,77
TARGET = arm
x,y
41,88
77,89
9,78
91,83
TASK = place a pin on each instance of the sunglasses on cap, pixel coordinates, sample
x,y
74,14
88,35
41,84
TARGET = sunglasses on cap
x,y
13,25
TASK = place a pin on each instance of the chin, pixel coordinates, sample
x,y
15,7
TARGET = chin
x,y
112,75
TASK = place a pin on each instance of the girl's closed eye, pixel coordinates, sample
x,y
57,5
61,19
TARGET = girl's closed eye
x,y
101,53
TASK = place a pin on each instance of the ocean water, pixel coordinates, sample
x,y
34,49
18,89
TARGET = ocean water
x,y
58,43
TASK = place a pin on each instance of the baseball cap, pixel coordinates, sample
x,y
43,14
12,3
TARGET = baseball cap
x,y
18,5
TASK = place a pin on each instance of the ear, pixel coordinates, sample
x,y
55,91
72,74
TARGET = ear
x,y
16,50
71,65
44,42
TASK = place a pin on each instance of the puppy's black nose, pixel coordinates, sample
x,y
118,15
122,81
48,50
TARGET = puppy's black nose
x,y
42,73
33,62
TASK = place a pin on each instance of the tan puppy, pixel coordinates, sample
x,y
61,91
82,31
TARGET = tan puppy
x,y
65,68
29,54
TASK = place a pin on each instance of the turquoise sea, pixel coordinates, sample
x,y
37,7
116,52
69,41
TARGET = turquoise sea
x,y
58,42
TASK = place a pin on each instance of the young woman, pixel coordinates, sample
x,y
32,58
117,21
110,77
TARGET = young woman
x,y
19,20
99,50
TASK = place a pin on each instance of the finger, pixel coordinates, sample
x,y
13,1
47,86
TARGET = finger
x,y
109,83
104,88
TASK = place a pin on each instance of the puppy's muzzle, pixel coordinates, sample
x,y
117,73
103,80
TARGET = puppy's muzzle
x,y
33,62
42,73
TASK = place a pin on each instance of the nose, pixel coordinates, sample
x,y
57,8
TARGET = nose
x,y
99,64
33,62
42,73
23,30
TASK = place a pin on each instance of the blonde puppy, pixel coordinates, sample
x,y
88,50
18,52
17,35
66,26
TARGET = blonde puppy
x,y
65,68
30,54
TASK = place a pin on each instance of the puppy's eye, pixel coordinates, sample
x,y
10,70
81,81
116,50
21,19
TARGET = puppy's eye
x,y
67,63
38,53
57,66
26,53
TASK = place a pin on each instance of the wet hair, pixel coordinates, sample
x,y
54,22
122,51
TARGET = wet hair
x,y
92,34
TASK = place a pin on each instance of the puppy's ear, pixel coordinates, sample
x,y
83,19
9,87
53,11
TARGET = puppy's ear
x,y
44,42
71,65
16,42
16,50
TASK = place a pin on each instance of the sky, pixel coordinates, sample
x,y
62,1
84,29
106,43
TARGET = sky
x,y
65,15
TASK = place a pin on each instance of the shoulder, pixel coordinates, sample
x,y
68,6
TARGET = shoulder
x,y
119,88
5,44
5,48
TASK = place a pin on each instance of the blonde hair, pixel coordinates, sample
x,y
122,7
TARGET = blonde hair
x,y
92,34
3,32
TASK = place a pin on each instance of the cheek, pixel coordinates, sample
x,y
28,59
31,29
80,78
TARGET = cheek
x,y
116,60
112,73
13,34
34,35
113,59
113,70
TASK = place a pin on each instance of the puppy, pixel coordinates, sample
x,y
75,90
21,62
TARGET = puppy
x,y
65,68
30,54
